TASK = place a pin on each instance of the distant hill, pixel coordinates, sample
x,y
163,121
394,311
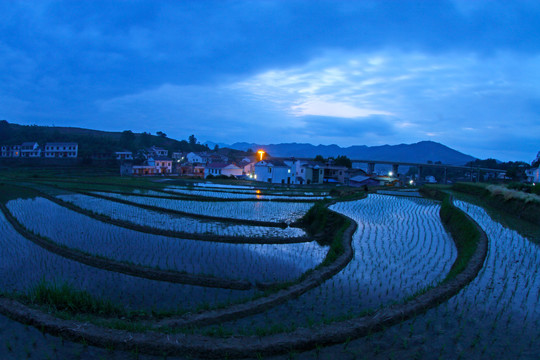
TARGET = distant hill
x,y
96,141
420,152
91,141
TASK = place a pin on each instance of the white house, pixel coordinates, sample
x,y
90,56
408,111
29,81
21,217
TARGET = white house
x,y
194,158
161,163
61,150
30,150
274,171
178,156
248,168
217,169
308,172
11,150
157,151
123,155
533,175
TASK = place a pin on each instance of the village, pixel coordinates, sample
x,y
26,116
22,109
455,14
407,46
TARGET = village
x,y
154,161
254,166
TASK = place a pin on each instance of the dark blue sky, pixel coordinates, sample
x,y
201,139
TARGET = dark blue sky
x,y
463,73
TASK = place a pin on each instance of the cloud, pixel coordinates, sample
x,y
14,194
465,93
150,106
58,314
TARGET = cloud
x,y
333,109
247,69
329,129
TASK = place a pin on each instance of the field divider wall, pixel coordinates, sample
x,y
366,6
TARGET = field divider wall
x,y
282,225
175,234
125,268
169,194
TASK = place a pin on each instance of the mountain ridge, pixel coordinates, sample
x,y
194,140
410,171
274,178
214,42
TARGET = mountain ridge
x,y
420,152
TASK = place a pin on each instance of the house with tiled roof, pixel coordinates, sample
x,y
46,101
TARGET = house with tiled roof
x,y
274,171
225,169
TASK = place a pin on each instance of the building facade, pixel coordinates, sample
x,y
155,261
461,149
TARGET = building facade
x,y
61,150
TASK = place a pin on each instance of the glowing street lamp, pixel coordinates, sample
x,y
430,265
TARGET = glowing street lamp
x,y
390,173
261,153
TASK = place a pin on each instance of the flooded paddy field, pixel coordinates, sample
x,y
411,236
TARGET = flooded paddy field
x,y
400,249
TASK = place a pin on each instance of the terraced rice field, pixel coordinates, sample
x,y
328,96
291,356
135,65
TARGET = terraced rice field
x,y
266,262
400,249
25,264
287,212
156,219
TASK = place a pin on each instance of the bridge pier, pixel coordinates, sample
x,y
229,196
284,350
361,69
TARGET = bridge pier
x,y
419,180
444,181
371,168
395,168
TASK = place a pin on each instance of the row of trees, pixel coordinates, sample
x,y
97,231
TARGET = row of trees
x,y
341,160
514,169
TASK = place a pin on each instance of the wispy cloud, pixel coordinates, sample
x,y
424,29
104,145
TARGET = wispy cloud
x,y
246,70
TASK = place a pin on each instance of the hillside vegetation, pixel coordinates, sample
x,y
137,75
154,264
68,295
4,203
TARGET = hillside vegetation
x,y
515,202
94,141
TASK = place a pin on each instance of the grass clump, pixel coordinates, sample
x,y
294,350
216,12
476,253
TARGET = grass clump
x,y
336,246
63,297
316,218
464,232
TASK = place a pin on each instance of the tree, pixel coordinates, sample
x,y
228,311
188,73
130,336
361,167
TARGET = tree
x,y
146,139
5,131
192,140
161,134
216,147
319,158
127,138
342,160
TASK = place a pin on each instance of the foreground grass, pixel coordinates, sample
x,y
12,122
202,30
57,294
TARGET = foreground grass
x,y
63,297
478,195
464,232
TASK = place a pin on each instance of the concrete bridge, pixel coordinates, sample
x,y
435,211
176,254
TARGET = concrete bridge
x,y
420,166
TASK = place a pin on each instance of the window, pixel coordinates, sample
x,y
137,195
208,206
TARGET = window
x,y
269,169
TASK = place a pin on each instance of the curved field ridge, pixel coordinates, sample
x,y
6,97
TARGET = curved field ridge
x,y
253,262
160,208
135,218
400,248
126,216
240,196
123,268
274,212
25,264
202,346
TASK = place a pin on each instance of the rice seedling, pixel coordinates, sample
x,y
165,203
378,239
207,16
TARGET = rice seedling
x,y
253,262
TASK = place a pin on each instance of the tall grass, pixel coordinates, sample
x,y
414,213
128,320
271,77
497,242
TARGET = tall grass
x,y
517,203
465,233
63,297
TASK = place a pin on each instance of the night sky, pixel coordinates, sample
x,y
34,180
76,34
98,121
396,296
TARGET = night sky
x,y
463,73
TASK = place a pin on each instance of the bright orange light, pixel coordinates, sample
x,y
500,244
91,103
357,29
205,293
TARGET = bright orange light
x,y
261,153
258,191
